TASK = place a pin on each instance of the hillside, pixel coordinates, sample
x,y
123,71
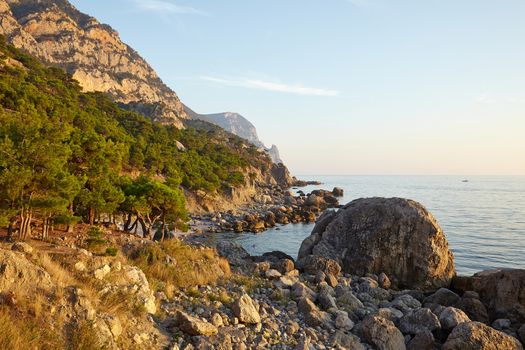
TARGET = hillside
x,y
67,155
58,34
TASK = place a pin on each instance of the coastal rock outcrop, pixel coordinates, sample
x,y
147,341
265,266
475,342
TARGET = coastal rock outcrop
x,y
501,290
392,235
477,336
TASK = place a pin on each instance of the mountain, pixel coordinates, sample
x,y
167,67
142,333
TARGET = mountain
x,y
60,35
237,125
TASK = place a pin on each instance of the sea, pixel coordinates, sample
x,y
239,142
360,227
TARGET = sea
x,y
483,217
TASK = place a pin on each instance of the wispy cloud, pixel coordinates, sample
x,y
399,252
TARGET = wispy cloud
x,y
163,6
271,86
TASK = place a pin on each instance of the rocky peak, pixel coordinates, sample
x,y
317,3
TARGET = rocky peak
x,y
59,34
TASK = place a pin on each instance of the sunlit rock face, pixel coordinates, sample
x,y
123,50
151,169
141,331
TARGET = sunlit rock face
x,y
395,236
57,33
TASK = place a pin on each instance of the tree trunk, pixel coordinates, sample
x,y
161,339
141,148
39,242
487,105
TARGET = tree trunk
x,y
127,223
70,226
91,215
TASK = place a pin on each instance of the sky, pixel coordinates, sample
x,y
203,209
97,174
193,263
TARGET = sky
x,y
347,87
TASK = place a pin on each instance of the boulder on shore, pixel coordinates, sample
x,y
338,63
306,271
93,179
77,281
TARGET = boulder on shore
x,y
396,236
478,336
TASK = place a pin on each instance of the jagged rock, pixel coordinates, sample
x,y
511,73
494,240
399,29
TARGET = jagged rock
x,y
477,336
312,315
422,341
396,236
419,320
245,309
194,326
136,283
382,333
17,272
349,301
450,317
22,247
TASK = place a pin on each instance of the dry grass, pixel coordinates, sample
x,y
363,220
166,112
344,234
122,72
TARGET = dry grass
x,y
19,332
180,265
84,337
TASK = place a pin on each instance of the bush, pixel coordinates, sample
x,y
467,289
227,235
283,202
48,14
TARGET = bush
x,y
111,251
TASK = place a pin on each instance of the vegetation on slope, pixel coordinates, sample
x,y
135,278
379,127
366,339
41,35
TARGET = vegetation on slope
x,y
66,155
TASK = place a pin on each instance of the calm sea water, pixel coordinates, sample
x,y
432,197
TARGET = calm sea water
x,y
483,219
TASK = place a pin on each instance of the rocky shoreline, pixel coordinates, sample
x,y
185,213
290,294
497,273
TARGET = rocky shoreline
x,y
274,207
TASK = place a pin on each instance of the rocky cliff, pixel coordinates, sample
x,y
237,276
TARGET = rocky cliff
x,y
60,35
237,125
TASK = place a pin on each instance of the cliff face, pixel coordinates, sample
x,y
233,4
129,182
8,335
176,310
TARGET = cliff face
x,y
237,125
60,35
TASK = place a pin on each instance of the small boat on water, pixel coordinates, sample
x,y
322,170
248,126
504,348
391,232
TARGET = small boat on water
x,y
464,181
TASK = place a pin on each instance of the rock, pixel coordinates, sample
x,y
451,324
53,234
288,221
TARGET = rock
x,y
17,272
474,309
384,281
216,320
451,317
326,301
349,301
521,333
136,283
422,341
418,321
113,324
285,265
343,322
405,303
338,192
80,266
390,314
396,236
312,315
303,344
22,247
194,326
442,296
313,201
502,291
300,290
102,272
313,264
477,336
382,333
501,324
233,252
272,274
245,309
341,340
292,327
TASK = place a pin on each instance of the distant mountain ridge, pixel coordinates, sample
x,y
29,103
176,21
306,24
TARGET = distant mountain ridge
x,y
58,34
237,125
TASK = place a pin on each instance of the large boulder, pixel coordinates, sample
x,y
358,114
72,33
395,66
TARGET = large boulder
x,y
477,336
382,333
502,291
18,273
396,236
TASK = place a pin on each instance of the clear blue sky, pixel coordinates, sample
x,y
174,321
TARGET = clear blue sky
x,y
348,86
